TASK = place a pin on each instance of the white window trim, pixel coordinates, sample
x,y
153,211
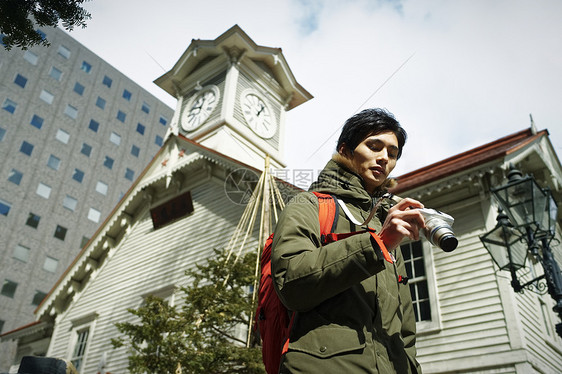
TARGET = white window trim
x,y
79,324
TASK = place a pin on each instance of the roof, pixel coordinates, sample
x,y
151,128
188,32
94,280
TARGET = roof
x,y
467,160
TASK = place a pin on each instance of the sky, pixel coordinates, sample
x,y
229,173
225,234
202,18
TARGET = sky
x,y
456,74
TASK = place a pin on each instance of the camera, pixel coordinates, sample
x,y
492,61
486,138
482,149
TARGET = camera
x,y
438,229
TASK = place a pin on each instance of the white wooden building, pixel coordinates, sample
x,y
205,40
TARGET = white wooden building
x,y
469,318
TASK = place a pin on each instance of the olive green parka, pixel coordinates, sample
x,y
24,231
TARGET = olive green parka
x,y
352,314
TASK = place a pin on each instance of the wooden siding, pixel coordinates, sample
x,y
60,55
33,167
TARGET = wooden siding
x,y
145,261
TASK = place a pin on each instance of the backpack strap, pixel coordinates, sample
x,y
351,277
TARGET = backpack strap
x,y
328,212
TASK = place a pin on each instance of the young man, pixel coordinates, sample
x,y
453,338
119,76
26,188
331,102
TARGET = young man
x,y
352,313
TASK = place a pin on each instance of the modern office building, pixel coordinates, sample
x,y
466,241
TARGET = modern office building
x,y
74,134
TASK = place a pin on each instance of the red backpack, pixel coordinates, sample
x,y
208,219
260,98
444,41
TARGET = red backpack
x,y
273,319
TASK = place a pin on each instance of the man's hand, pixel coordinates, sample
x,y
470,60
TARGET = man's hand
x,y
403,220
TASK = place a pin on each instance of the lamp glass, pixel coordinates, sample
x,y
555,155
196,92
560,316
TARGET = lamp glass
x,y
549,219
506,246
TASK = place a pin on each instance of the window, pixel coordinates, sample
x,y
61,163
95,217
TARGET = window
x,y
62,136
78,88
50,264
42,35
171,210
115,138
107,81
101,187
9,106
71,111
36,121
55,73
60,232
80,348
30,57
33,220
86,67
135,150
100,103
86,149
140,128
145,107
5,207
94,215
127,95
15,176
415,268
20,80
26,148
53,162
94,125
38,297
129,174
84,241
9,288
46,96
43,190
163,121
69,203
21,253
159,140
78,175
121,116
108,162
64,52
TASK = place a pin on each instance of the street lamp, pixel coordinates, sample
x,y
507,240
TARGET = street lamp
x,y
525,229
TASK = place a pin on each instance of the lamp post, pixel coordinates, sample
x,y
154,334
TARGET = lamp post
x,y
525,229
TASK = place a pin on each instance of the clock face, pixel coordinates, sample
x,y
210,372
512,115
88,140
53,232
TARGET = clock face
x,y
200,109
258,116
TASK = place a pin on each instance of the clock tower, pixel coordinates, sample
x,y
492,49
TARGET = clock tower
x,y
232,96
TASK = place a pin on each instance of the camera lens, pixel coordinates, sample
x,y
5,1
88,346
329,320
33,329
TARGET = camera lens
x,y
448,243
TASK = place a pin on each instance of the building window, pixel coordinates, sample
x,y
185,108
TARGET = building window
x,y
36,121
79,350
42,35
94,125
86,149
171,210
71,111
5,207
50,264
101,188
30,57
121,116
86,67
38,298
15,176
127,95
9,106
108,162
115,138
163,121
46,96
159,140
21,253
129,174
78,175
9,288
62,136
60,232
100,103
94,215
107,81
43,190
140,128
33,220
55,73
26,148
417,280
135,150
69,203
84,241
145,107
53,162
78,88
20,80
64,52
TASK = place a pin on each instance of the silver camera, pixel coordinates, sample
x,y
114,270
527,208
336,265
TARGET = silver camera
x,y
438,229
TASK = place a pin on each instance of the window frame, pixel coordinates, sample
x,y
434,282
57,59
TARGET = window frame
x,y
81,324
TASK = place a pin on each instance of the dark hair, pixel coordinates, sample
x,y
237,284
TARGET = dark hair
x,y
370,122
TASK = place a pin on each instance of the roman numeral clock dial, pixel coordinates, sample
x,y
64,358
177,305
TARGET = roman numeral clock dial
x,y
200,108
258,116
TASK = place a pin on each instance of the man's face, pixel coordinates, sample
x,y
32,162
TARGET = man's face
x,y
374,158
